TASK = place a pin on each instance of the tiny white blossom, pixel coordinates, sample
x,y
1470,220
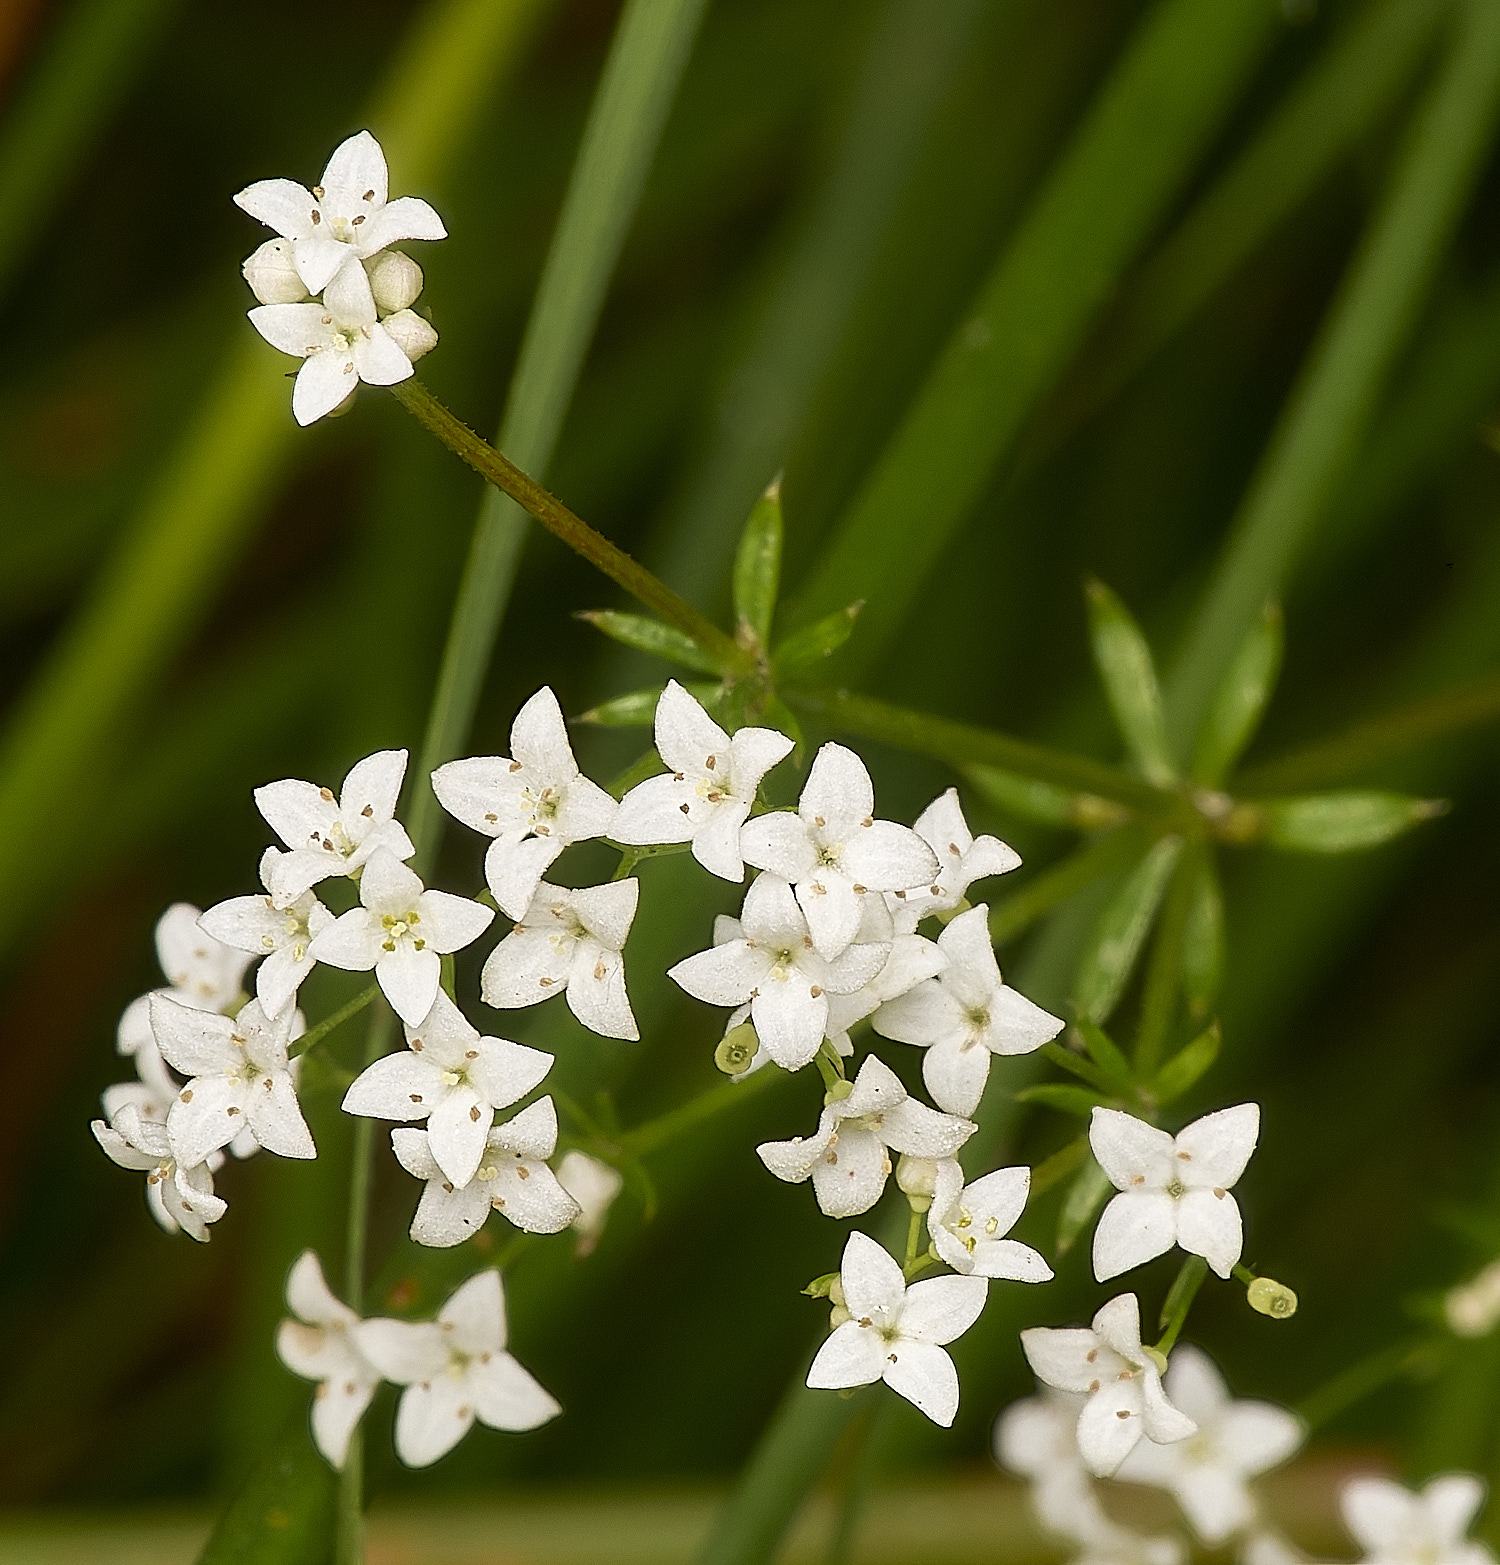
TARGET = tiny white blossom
x,y
707,795
1173,1190
512,1178
345,217
452,1078
913,960
257,926
897,1333
968,1224
1472,1309
775,967
152,1093
847,1157
1208,1473
455,1369
1396,1527
533,802
962,859
330,835
569,942
180,1197
271,271
319,1345
239,1078
395,281
964,1015
834,852
1118,1378
402,931
593,1185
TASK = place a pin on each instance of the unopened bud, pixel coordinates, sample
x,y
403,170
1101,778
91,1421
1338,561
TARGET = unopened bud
x,y
737,1049
272,275
840,1311
1473,1308
821,1287
1157,1357
1271,1298
412,334
395,280
917,1177
838,1091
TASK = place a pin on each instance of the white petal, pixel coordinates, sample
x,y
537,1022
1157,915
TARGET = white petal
x,y
584,811
1016,1026
318,258
791,1161
195,1042
685,734
297,329
505,1072
607,911
200,1120
956,1072
1256,1436
832,909
406,217
539,739
456,1132
474,1316
752,753
1060,1358
850,1176
398,1086
378,359
275,1117
924,1374
482,792
942,1308
1130,1151
433,1416
716,843
1010,1260
336,1411
1452,1501
596,992
1135,1227
853,1355
1109,1426
324,382
281,204
657,810
450,923
348,299
403,1351
530,1134
356,168
1118,1324
724,975
1214,1499
925,1016
839,789
876,1088
1164,1423
1208,1224
888,857
513,871
789,1018
873,1284
414,1155
1378,1512
1219,1145
409,979
447,1216
507,1396
779,842
535,1203
525,968
923,1132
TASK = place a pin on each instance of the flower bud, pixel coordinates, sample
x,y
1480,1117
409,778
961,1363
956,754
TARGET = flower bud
x,y
917,1177
272,277
821,1287
840,1311
1271,1298
395,280
1473,1308
737,1049
838,1091
413,335
1157,1357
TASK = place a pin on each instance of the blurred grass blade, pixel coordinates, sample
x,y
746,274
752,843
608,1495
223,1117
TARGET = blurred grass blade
x,y
1106,1053
1344,822
1090,1187
1369,324
283,1515
1237,709
1129,675
651,636
1043,802
757,565
1122,931
1176,84
650,50
1203,941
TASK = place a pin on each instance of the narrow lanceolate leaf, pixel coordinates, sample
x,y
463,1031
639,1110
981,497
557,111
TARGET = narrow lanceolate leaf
x,y
650,635
635,710
804,650
283,1515
1237,708
757,566
1078,1065
1106,1053
1185,1067
1344,822
1070,1100
1121,932
1085,1196
1035,800
1129,674
1203,942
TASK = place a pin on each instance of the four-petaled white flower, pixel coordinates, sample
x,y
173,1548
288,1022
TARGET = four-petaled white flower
x,y
155,1089
347,218
833,851
239,1078
913,959
968,1224
593,1185
513,1178
847,1158
200,972
281,935
328,835
179,1196
1396,1527
1119,1379
775,967
962,859
964,1015
452,1078
455,1369
319,1345
897,1334
707,795
569,942
1173,1190
403,931
533,802
1208,1472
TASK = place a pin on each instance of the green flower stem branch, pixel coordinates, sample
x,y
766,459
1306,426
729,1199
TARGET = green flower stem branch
x,y
707,1105
315,1035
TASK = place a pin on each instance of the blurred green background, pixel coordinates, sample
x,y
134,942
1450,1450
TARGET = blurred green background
x,y
835,181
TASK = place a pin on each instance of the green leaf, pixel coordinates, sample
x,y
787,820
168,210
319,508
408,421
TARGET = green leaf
x,y
1129,674
283,1513
1058,1095
805,649
650,635
1044,802
1236,711
1085,1196
757,565
1344,822
1185,1067
1122,929
637,709
1203,941
1105,1053
1067,1059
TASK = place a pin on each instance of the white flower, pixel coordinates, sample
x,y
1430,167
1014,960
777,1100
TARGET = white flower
x,y
834,851
707,795
319,1345
271,272
533,802
1036,1438
897,1334
179,1197
1207,1473
1173,1190
239,1078
968,1224
1118,1378
281,935
1473,1308
775,967
200,971
154,1091
964,1015
846,1156
569,942
402,931
328,835
594,1186
455,1369
1396,1527
913,959
512,1178
345,217
452,1078
962,859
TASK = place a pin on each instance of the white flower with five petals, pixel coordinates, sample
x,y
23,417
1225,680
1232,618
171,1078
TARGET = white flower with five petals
x,y
180,1197
1396,1527
452,1078
968,1224
455,1369
834,852
1173,1190
962,859
896,1333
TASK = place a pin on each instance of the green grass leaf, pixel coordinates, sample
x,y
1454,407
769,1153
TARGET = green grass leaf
x,y
757,565
1121,932
1241,700
1129,674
